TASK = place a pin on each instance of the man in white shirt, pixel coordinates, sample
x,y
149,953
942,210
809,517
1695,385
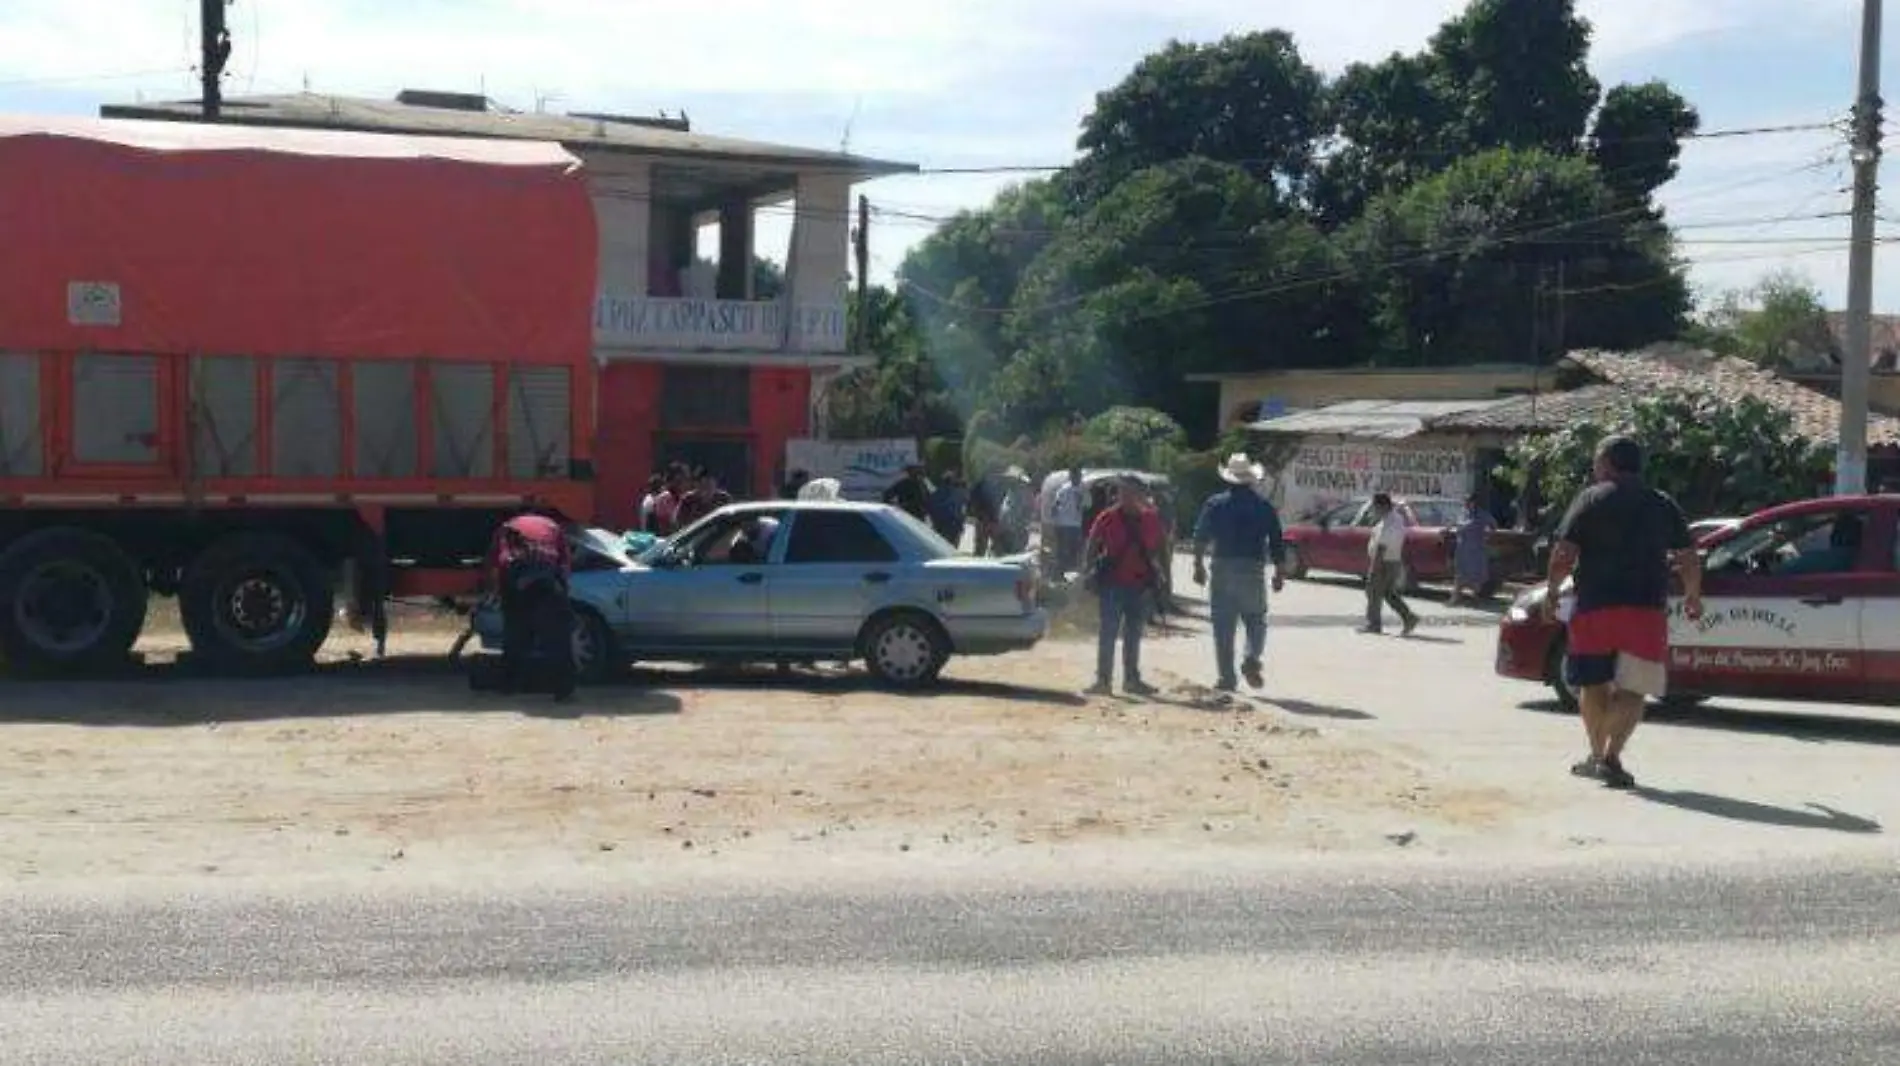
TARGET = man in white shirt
x,y
1385,568
1065,513
649,504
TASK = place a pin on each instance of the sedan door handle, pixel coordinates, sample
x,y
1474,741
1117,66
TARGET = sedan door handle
x,y
876,578
751,579
1822,601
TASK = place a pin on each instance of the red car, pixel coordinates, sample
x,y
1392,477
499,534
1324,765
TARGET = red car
x,y
1800,602
1336,541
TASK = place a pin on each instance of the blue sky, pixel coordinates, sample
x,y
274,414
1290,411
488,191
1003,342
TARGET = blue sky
x,y
980,82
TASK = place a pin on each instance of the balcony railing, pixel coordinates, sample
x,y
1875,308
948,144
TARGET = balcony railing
x,y
675,324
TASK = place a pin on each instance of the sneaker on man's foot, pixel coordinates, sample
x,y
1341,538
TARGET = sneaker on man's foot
x,y
1100,688
1138,687
1590,767
1370,631
1614,776
1411,626
1226,686
1251,671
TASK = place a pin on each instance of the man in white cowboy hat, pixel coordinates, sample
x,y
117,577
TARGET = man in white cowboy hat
x,y
1242,529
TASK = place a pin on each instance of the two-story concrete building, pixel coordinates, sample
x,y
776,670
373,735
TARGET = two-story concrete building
x,y
697,365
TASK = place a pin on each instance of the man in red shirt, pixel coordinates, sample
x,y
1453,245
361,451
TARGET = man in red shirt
x,y
528,565
1124,566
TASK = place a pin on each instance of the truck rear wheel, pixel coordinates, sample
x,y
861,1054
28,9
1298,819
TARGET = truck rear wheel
x,y
256,603
70,601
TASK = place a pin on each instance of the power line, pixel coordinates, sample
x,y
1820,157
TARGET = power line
x,y
81,79
1706,135
1488,243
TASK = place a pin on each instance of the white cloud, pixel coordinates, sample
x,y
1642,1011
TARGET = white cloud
x,y
1043,60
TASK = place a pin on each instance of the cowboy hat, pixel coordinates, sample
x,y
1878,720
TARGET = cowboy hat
x,y
1240,470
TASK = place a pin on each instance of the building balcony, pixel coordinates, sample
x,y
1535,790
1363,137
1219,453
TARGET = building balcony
x,y
685,324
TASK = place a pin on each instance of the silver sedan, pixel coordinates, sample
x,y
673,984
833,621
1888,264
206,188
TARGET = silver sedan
x,y
796,581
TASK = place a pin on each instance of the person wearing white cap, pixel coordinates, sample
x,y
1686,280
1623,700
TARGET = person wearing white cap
x,y
1242,529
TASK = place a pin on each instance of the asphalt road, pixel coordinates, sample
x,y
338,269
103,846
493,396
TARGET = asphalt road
x,y
1606,964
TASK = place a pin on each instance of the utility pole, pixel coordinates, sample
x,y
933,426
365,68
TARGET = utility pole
x,y
861,245
214,38
1850,467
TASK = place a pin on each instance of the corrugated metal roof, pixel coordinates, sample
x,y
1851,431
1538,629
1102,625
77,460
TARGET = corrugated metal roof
x,y
321,111
1375,419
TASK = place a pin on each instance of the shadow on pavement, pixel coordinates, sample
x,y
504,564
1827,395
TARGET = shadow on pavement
x,y
832,681
1320,710
1817,728
1812,816
171,695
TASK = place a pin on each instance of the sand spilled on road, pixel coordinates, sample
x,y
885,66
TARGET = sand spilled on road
x,y
379,766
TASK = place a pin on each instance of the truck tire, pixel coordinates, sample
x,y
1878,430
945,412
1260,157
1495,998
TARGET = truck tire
x,y
256,603
70,602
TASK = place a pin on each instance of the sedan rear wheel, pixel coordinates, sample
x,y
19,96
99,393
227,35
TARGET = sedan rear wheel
x,y
905,650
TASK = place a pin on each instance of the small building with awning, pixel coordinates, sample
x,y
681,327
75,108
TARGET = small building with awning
x,y
1450,448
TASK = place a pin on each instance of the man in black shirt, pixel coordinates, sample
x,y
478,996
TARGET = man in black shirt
x,y
1621,539
911,493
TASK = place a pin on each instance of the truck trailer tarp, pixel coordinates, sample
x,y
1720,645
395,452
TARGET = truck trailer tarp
x,y
181,238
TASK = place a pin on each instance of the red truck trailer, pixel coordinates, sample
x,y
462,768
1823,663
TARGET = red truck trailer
x,y
251,367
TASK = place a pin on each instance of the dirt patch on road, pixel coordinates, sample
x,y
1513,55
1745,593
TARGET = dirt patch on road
x,y
367,765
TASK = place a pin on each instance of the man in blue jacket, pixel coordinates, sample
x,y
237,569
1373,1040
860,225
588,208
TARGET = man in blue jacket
x,y
1243,531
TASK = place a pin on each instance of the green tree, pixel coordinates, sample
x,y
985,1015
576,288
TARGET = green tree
x,y
1140,438
1518,73
1779,323
1715,455
1463,267
1637,139
1247,99
960,280
1394,124
901,394
1188,267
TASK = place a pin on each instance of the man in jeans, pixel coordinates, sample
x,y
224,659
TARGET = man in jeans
x,y
1123,563
1385,568
1243,530
1621,539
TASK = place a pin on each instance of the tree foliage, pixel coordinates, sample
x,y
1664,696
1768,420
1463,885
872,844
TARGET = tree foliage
x,y
1249,100
1715,456
1477,258
902,394
1139,438
1637,139
1480,200
1781,323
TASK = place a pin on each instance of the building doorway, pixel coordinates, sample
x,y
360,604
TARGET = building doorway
x,y
726,458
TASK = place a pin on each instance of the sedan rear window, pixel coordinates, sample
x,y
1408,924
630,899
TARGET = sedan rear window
x,y
836,537
926,542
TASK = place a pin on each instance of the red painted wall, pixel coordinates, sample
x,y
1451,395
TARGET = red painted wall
x,y
629,421
781,410
623,446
